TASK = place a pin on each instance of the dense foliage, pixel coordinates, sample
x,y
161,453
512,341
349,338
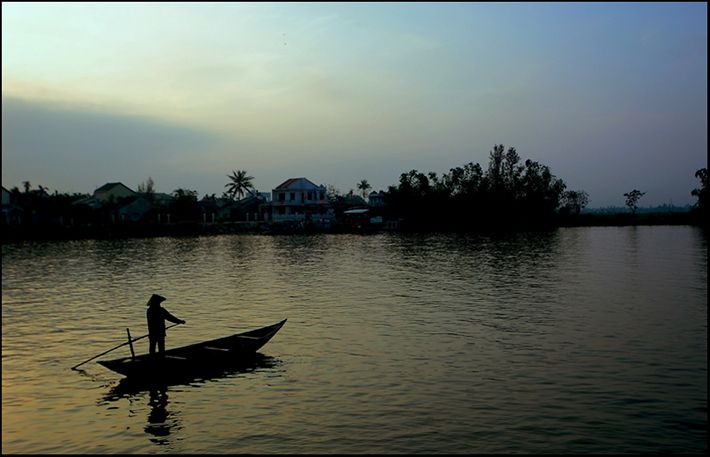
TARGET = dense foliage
x,y
702,193
507,193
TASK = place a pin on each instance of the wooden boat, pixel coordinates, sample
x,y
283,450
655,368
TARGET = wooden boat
x,y
133,385
201,357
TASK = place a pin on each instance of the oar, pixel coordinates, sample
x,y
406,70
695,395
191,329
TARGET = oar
x,y
122,344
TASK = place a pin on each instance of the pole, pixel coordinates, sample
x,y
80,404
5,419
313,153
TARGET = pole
x,y
130,343
112,349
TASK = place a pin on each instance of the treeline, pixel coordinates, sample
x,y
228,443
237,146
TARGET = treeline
x,y
508,193
40,207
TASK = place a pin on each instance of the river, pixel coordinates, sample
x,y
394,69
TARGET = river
x,y
576,340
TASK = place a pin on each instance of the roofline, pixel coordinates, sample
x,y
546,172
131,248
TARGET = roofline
x,y
284,185
112,184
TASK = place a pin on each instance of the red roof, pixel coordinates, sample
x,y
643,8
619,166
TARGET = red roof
x,y
297,183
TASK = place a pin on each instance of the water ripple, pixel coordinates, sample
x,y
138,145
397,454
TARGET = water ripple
x,y
587,340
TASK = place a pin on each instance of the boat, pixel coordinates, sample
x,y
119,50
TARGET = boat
x,y
136,385
217,354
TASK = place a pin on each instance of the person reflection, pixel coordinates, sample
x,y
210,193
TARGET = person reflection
x,y
158,424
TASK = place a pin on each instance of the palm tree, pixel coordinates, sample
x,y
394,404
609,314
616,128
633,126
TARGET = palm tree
x,y
364,186
240,183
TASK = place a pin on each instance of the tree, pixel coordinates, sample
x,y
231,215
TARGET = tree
x,y
495,167
332,192
632,199
538,192
185,194
575,200
702,192
511,170
240,183
364,186
184,204
147,187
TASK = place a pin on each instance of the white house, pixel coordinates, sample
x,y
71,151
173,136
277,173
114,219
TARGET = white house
x,y
299,200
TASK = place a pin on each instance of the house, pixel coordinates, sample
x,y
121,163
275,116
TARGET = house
x,y
216,209
376,199
300,200
135,211
251,208
11,212
5,197
356,218
361,219
158,198
113,190
352,201
265,196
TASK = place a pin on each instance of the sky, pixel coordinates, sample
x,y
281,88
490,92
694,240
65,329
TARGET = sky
x,y
611,96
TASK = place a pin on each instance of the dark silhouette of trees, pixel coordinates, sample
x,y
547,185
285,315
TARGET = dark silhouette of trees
x,y
147,187
508,193
239,184
414,199
364,186
184,205
38,208
632,199
332,192
701,206
575,200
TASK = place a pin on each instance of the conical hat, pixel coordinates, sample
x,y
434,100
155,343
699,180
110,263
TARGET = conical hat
x,y
155,298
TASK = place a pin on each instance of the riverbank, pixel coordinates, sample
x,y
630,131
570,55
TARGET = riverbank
x,y
621,219
19,233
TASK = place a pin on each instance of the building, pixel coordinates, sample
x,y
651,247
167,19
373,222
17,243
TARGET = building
x,y
5,197
300,200
251,208
11,213
158,198
135,211
113,190
376,199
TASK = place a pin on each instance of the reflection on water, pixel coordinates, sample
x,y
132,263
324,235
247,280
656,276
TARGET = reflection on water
x,y
158,424
163,420
128,386
579,340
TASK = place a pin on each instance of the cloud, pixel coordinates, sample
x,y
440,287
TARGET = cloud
x,y
50,143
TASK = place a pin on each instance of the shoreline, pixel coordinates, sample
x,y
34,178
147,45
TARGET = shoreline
x,y
21,233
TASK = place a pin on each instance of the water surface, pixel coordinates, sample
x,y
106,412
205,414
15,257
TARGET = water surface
x,y
580,340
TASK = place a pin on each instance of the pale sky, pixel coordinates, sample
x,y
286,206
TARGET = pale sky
x,y
612,97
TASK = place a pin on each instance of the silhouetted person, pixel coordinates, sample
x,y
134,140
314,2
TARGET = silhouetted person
x,y
156,323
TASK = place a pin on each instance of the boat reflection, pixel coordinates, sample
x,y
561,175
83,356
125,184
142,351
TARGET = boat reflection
x,y
163,421
128,386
